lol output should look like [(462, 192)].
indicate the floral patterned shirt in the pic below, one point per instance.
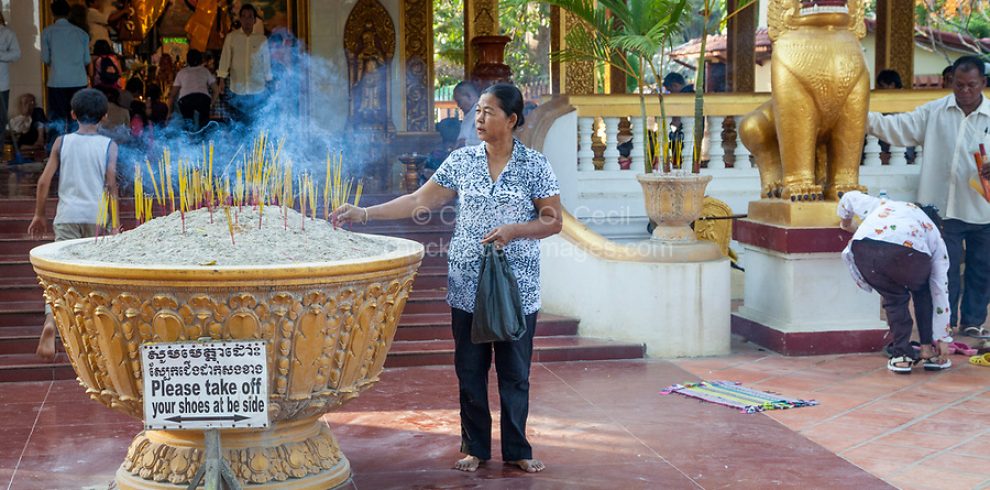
[(905, 224), (484, 205)]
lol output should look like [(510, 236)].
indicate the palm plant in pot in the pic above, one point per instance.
[(628, 35)]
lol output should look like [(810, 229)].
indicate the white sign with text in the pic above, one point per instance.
[(205, 385)]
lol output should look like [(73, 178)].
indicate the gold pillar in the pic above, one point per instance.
[(895, 38), (741, 48), (575, 78), (480, 19), (417, 57)]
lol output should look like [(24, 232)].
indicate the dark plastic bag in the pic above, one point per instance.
[(498, 310)]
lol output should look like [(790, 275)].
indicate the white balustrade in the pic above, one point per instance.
[(871, 151), (741, 153), (611, 144), (716, 154), (638, 142), (586, 156), (687, 127), (897, 158), (917, 155)]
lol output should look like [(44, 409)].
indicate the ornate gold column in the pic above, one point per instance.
[(568, 78), (895, 38), (741, 48), (480, 19), (417, 58)]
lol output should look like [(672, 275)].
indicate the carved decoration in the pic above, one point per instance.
[(579, 76), (820, 95), (369, 43), (328, 339), (418, 15)]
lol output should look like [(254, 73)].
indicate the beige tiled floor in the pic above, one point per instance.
[(919, 431)]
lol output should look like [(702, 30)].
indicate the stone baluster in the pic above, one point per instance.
[(586, 156), (871, 151), (611, 144), (741, 153), (639, 146), (897, 158), (687, 127), (716, 154)]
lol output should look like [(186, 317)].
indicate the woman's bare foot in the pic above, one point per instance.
[(468, 463), (46, 345), (529, 465)]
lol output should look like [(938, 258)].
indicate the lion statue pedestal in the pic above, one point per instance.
[(807, 141)]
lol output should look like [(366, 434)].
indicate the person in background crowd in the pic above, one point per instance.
[(191, 90), (157, 109), (28, 126), (104, 68), (951, 129), (10, 52), (466, 97), (100, 15), (77, 17), (245, 60), (889, 80), (117, 116), (133, 90), (65, 49), (676, 84)]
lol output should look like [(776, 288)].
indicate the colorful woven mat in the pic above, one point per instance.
[(732, 394)]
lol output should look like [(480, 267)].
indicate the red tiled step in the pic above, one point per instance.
[(21, 340), (429, 277), (427, 301), (545, 349), (15, 266), (20, 246), (13, 314), (28, 367), (19, 289), (436, 326)]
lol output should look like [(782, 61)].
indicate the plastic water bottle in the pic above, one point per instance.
[(883, 194)]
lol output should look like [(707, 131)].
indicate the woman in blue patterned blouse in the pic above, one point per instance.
[(508, 196)]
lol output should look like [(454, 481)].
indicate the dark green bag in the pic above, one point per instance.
[(498, 310)]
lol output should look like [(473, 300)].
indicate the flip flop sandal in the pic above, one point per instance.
[(894, 364), (976, 332), (981, 360), (933, 364), (962, 349)]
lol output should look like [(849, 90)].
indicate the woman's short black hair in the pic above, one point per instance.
[(89, 106), (510, 100), (155, 92), (194, 57), (102, 48)]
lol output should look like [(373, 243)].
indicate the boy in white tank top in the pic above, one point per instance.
[(88, 161)]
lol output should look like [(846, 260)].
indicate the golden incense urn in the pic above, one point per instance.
[(807, 140), (328, 327)]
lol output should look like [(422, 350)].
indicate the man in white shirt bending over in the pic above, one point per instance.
[(466, 96), (951, 129), (246, 61)]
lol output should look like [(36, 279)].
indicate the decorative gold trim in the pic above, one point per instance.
[(814, 214)]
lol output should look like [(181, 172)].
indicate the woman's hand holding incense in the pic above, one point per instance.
[(348, 213)]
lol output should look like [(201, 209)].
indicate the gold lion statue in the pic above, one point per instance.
[(807, 140)]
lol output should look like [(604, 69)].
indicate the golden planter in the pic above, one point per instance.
[(328, 325)]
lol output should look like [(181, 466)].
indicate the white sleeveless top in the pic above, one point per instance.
[(82, 177)]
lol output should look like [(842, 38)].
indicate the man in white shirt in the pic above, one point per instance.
[(10, 52), (246, 61), (898, 251), (951, 129), (466, 96)]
